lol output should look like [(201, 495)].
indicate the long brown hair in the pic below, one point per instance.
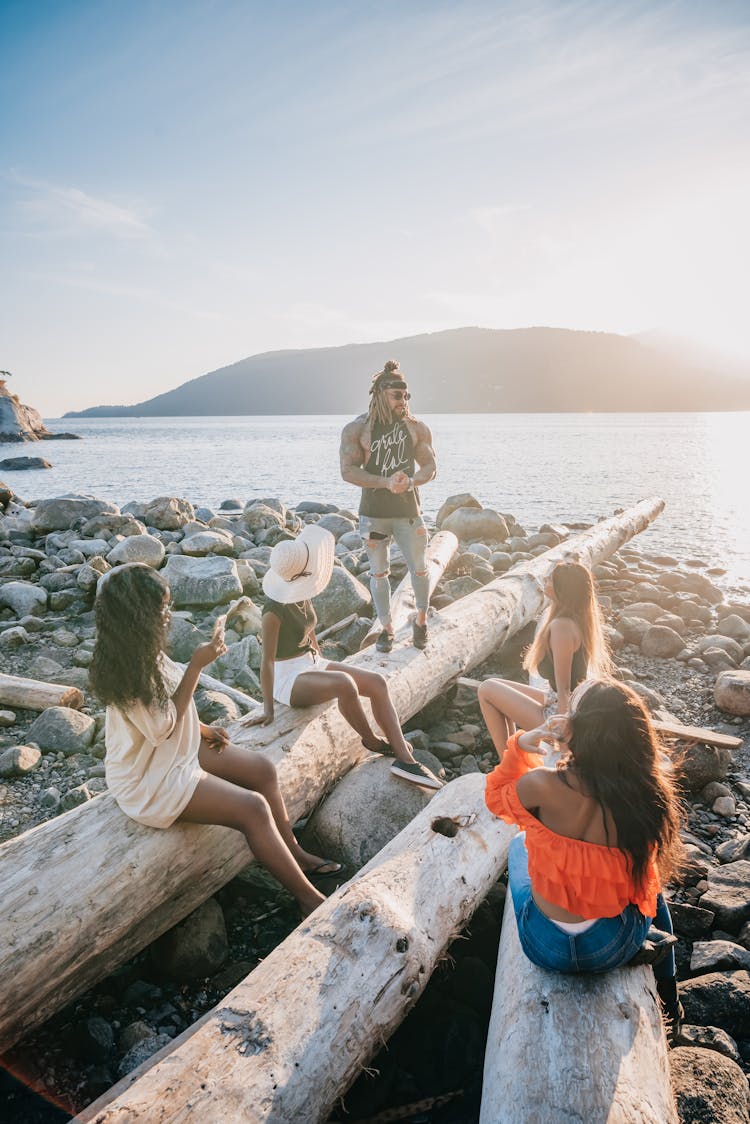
[(131, 625), (380, 410), (574, 597), (616, 755)]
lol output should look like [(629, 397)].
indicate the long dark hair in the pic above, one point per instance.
[(131, 623), (615, 754), (574, 597)]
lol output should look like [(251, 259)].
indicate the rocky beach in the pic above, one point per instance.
[(677, 636)]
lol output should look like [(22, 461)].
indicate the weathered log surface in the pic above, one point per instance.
[(562, 1048), (284, 1045), (441, 548), (31, 694), (91, 888)]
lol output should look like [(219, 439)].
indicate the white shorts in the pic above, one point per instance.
[(286, 671)]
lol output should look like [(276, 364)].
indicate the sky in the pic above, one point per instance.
[(184, 184)]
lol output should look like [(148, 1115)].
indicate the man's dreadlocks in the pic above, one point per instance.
[(380, 410)]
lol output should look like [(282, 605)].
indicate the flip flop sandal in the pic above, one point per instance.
[(320, 872), (382, 747)]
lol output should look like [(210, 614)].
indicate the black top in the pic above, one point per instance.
[(391, 450), (577, 668), (298, 622)]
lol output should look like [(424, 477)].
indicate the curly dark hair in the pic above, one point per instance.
[(615, 754), (131, 624)]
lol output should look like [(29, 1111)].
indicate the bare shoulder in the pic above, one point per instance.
[(354, 437), (420, 432), (538, 787), (563, 630)]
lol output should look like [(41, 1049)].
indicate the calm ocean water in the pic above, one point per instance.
[(538, 466)]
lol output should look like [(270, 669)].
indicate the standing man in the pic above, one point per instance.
[(380, 452)]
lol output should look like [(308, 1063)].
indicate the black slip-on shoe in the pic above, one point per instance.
[(382, 747), (419, 635), (384, 642), (415, 773)]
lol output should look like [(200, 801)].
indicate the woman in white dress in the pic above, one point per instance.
[(162, 763)]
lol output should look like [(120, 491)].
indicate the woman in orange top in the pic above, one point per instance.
[(600, 835)]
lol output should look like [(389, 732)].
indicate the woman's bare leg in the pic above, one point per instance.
[(216, 801), (253, 771), (321, 686), (505, 705), (374, 687)]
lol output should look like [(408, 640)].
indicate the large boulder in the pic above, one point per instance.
[(16, 464), (468, 524), (107, 525), (338, 525), (735, 626), (708, 1087), (366, 809), (167, 513), (725, 643), (713, 956), (204, 542), (62, 729), (732, 692), (196, 947), (700, 764), (719, 999), (203, 582), (23, 598), (343, 596), (61, 512), (728, 894), (662, 642), (464, 499), (259, 517), (138, 548)]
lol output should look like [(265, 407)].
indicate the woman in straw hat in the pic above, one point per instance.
[(162, 764), (293, 670)]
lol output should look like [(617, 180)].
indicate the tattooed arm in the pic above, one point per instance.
[(353, 456), (424, 455)]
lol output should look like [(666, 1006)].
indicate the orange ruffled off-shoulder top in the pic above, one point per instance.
[(589, 879)]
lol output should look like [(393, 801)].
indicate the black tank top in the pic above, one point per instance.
[(391, 450), (578, 668)]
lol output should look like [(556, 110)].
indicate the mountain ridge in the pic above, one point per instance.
[(458, 370)]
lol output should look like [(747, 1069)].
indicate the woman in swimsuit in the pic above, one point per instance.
[(568, 647)]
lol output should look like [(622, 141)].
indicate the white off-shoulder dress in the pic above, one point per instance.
[(151, 761)]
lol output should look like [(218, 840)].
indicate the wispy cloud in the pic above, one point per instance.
[(127, 292), (64, 209)]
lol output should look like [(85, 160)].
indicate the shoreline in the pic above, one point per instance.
[(81, 1050)]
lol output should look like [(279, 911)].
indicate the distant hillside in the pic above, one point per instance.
[(466, 370)]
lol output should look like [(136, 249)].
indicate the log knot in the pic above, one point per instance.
[(252, 1036)]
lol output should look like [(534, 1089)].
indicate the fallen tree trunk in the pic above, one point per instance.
[(31, 694), (289, 1040), (86, 906), (573, 1048), (441, 548)]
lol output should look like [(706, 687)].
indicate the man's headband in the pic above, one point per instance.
[(392, 384)]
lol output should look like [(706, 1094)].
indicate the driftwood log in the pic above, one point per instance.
[(91, 888), (573, 1048), (30, 694), (289, 1040), (441, 548)]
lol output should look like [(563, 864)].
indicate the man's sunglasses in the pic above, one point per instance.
[(400, 395)]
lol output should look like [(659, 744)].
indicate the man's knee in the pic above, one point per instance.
[(381, 574)]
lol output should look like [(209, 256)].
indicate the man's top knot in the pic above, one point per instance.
[(391, 367)]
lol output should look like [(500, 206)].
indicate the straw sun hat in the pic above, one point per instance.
[(300, 568)]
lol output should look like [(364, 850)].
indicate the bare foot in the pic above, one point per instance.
[(310, 903)]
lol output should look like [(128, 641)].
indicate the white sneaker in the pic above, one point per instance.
[(415, 773)]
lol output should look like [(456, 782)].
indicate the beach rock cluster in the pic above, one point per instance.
[(676, 639)]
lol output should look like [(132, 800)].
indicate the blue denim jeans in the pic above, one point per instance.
[(411, 535), (609, 943)]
